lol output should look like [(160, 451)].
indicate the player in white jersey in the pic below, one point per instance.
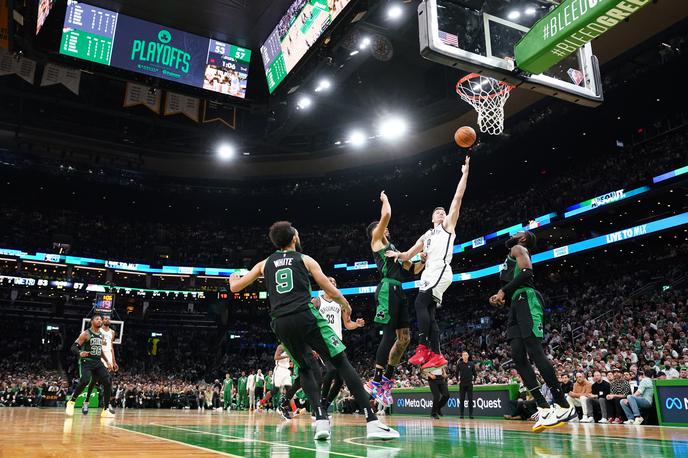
[(332, 312), (438, 245), (107, 357), (281, 379)]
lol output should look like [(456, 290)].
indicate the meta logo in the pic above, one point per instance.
[(676, 403), (400, 402)]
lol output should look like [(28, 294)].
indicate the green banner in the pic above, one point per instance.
[(566, 28)]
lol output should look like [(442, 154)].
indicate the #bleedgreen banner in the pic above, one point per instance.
[(566, 28)]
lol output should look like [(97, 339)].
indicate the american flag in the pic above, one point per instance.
[(449, 39)]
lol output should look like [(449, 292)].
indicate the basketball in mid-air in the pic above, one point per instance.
[(465, 137)]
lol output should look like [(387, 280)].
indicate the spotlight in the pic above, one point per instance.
[(304, 102), (354, 52), (514, 15), (393, 128), (323, 85), (357, 138), (394, 12), (364, 43), (530, 11), (225, 152)]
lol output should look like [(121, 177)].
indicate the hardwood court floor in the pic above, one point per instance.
[(174, 433)]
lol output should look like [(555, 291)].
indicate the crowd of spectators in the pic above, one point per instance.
[(153, 237)]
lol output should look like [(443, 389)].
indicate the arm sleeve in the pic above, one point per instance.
[(521, 278), (75, 348)]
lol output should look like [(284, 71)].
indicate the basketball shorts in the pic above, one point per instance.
[(392, 305), (303, 332), (526, 314), (282, 377), (436, 279)]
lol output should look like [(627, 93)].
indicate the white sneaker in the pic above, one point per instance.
[(603, 421), (547, 418), (629, 422), (566, 414), (587, 419), (322, 430), (639, 421), (69, 410), (378, 430), (107, 413)]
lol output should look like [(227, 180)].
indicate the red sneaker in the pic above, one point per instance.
[(421, 356), (435, 360)]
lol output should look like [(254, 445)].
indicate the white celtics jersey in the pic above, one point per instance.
[(108, 337), (332, 312), (284, 362), (439, 246)]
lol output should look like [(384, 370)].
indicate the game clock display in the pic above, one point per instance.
[(108, 38), (298, 30)]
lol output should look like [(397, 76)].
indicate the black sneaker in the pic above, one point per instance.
[(285, 411), (435, 416)]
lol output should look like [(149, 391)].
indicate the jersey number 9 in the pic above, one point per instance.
[(284, 280)]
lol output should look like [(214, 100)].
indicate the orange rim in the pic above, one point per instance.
[(505, 88)]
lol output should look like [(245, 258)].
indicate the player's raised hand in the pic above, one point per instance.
[(466, 165), (423, 257), (383, 197), (360, 322)]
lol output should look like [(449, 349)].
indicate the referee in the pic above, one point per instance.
[(466, 371)]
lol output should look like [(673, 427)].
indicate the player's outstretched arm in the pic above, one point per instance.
[(407, 255), (237, 282), (455, 208), (385, 217), (322, 281), (351, 325)]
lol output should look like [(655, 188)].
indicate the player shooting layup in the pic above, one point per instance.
[(438, 244)]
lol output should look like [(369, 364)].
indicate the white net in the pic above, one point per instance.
[(488, 96)]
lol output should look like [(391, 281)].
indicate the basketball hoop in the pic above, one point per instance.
[(488, 96)]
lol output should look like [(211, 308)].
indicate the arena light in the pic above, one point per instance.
[(393, 128), (394, 12), (514, 15), (304, 102), (226, 151), (530, 11), (357, 138), (365, 42), (323, 85)]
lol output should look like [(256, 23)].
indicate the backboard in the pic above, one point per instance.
[(479, 36)]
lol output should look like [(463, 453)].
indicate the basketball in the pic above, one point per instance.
[(465, 137)]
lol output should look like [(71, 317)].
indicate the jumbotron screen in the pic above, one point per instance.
[(298, 30), (44, 8), (109, 38)]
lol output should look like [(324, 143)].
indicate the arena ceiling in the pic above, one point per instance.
[(277, 138)]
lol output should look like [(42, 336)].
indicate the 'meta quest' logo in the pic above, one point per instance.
[(161, 53)]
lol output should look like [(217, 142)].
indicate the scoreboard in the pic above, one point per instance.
[(109, 38)]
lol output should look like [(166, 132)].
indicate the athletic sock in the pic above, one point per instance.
[(559, 398), (370, 415), (378, 374), (389, 373), (539, 398)]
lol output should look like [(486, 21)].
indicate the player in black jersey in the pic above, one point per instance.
[(300, 327), (525, 330), (392, 307), (88, 347)]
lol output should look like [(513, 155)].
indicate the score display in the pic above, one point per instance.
[(109, 38), (298, 30)]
